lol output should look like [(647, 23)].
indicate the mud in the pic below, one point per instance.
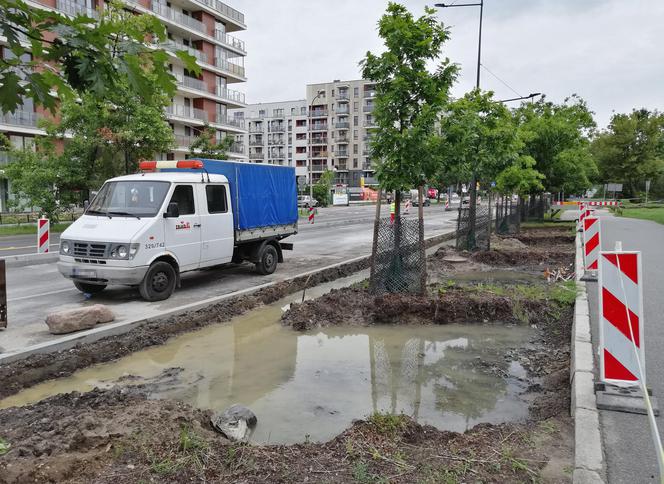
[(116, 437)]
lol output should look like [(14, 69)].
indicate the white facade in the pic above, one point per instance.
[(277, 133)]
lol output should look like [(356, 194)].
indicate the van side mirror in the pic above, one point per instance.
[(173, 211)]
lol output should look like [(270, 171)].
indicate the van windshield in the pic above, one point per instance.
[(139, 198)]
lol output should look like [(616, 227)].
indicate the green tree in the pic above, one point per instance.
[(88, 55), (323, 187), (556, 136), (631, 150), (206, 145), (478, 139), (42, 179), (408, 100), (520, 178)]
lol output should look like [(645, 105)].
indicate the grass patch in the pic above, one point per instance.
[(4, 446), (32, 229), (656, 214), (387, 423)]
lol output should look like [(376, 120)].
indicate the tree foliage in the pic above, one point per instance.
[(631, 150), (477, 137), (322, 188), (69, 56), (206, 145), (556, 136), (520, 178), (408, 96)]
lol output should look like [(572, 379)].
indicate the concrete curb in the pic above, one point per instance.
[(114, 329), (588, 456), (23, 260)]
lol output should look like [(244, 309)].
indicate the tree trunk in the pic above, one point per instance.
[(423, 255), (374, 245), (472, 214)]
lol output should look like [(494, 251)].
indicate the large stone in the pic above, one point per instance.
[(78, 319), (235, 422)]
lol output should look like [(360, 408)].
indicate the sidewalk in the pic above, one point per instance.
[(628, 447)]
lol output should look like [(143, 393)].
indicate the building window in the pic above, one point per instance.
[(300, 123), (356, 106), (303, 110), (355, 120), (261, 113), (300, 135), (332, 92), (277, 113), (355, 149), (355, 159), (356, 92), (354, 134), (300, 149)]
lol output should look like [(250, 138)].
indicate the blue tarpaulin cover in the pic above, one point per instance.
[(261, 195)]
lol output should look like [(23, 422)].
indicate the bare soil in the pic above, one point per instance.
[(120, 436)]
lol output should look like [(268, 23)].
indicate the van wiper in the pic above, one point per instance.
[(123, 214)]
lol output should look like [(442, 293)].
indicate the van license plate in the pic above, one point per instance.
[(84, 273)]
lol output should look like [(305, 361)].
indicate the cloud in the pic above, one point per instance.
[(609, 51)]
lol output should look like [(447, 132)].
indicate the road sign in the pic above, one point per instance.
[(621, 317), (42, 235), (301, 181), (614, 187)]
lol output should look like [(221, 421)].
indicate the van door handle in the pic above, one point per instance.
[(197, 225)]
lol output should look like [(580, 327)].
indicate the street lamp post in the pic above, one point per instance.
[(311, 161), (521, 98)]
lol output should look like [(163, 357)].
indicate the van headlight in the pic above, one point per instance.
[(65, 247), (124, 251)]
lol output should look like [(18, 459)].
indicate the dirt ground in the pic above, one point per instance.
[(120, 435)]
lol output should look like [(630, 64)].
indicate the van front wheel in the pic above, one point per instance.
[(267, 260), (159, 282)]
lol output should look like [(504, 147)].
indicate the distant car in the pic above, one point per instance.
[(432, 193), (426, 203), (306, 201)]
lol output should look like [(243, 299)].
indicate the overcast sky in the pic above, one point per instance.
[(610, 52)]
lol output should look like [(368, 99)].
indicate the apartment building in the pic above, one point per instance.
[(340, 129), (201, 27), (276, 133)]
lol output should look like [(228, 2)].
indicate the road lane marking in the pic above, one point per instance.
[(25, 247), (21, 298)]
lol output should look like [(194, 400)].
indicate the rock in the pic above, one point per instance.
[(234, 422), (78, 319)]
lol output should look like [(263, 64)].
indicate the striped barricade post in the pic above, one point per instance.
[(43, 226), (581, 208), (591, 247), (312, 213)]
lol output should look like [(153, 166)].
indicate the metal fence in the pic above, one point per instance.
[(478, 239), (508, 218), (534, 207), (397, 264)]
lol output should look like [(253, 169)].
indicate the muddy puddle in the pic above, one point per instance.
[(312, 385)]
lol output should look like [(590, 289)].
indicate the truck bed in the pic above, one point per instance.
[(278, 231)]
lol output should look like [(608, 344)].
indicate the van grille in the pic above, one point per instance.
[(95, 250)]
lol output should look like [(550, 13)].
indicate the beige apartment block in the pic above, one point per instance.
[(340, 128)]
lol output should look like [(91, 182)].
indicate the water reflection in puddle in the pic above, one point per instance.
[(312, 385)]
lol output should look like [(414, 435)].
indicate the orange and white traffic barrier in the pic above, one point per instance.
[(621, 318), (312, 213), (407, 207), (604, 203), (581, 208), (43, 226), (591, 243)]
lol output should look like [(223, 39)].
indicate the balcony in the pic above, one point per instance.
[(342, 154), (229, 40), (228, 121), (370, 123), (369, 92), (367, 108), (318, 127), (367, 167), (342, 125), (318, 141), (224, 9), (343, 97), (255, 142), (256, 156), (231, 95), (343, 140), (319, 154), (20, 118), (191, 83), (342, 167), (277, 128), (174, 46), (71, 8), (177, 17), (342, 110), (226, 65), (318, 167), (256, 128), (177, 110), (183, 141), (318, 113), (236, 148), (279, 141)]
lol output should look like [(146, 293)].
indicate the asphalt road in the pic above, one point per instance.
[(338, 234), (628, 446)]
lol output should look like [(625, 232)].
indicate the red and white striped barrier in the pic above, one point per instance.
[(600, 203), (43, 226), (621, 318), (591, 243), (311, 214), (407, 207), (447, 204)]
